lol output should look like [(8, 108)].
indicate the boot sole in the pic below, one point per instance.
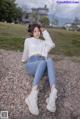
[(28, 104), (47, 99), (51, 110)]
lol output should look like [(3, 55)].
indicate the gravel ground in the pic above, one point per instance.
[(15, 85)]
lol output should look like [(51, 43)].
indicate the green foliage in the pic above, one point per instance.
[(9, 11), (45, 21)]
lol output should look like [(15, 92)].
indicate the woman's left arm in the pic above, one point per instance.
[(25, 52)]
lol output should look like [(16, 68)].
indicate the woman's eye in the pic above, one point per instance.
[(36, 31)]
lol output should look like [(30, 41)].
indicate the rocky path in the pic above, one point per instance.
[(15, 85)]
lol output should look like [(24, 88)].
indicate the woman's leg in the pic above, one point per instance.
[(36, 69), (51, 106), (39, 72), (31, 67), (51, 72)]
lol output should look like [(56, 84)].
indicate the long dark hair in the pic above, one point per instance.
[(31, 28)]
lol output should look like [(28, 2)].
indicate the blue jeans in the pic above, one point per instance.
[(38, 67)]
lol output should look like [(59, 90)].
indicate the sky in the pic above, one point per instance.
[(66, 10)]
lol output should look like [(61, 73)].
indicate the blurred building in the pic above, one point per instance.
[(35, 14)]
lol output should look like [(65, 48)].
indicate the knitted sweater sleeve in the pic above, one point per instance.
[(25, 51), (48, 40)]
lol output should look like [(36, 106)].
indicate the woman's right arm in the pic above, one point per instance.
[(49, 44), (47, 38), (25, 51)]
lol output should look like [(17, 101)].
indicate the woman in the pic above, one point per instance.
[(38, 64)]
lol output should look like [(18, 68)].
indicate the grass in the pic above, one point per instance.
[(67, 42), (12, 37)]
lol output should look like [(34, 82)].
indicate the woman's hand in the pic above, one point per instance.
[(24, 62), (42, 29)]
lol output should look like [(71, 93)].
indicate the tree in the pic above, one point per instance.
[(9, 10), (75, 24), (76, 21), (45, 21), (54, 20), (34, 17)]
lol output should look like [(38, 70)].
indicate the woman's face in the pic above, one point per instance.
[(36, 32)]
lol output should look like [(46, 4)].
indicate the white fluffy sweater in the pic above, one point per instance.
[(33, 46)]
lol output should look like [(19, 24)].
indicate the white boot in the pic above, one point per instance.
[(51, 106), (31, 101)]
